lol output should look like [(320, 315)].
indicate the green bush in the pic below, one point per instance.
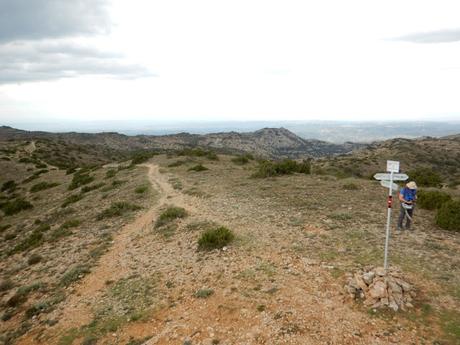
[(9, 186), (284, 167), (15, 206), (71, 199), (240, 160), (448, 216), (141, 157), (169, 215), (34, 259), (117, 209), (71, 223), (79, 179), (141, 189), (425, 177), (431, 199), (204, 293), (215, 238), (176, 164), (42, 186), (198, 167), (34, 240), (110, 173)]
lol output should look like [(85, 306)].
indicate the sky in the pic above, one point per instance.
[(182, 60)]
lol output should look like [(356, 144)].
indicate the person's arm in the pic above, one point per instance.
[(401, 197)]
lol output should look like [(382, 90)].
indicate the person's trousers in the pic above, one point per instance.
[(402, 215)]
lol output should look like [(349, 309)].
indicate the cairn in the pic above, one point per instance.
[(380, 289)]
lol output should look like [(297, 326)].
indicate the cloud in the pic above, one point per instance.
[(438, 36), (51, 60), (39, 19), (38, 41)]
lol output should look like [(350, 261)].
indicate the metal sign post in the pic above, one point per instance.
[(387, 181)]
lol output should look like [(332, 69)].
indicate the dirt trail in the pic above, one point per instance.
[(30, 148)]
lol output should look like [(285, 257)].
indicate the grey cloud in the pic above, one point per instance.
[(40, 61), (438, 36), (41, 19)]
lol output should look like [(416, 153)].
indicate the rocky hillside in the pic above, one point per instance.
[(267, 142), (441, 155)]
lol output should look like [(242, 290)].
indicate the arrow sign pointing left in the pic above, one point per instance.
[(396, 177)]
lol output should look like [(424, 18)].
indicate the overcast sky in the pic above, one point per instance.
[(229, 60)]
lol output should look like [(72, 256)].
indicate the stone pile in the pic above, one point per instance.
[(380, 289)]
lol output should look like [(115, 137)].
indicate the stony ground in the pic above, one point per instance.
[(280, 282)]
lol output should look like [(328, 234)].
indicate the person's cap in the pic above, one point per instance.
[(411, 185)]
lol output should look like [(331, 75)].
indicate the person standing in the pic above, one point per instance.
[(407, 198)]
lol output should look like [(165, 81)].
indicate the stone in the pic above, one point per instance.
[(368, 277), (378, 290), (360, 282), (380, 271)]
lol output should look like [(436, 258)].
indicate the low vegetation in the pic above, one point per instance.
[(215, 238), (243, 159), (142, 157), (198, 167), (198, 152), (169, 215), (117, 209), (432, 199), (42, 186), (74, 274), (9, 186), (15, 206), (448, 216), (71, 199), (425, 177), (284, 167), (79, 179)]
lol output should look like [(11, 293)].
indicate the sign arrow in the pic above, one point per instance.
[(386, 183), (386, 176)]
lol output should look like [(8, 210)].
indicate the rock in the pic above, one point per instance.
[(368, 277), (378, 290), (360, 282), (380, 271)]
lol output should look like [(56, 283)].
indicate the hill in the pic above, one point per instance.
[(272, 143)]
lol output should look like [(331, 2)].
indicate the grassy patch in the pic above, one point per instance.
[(142, 189), (176, 164), (110, 173), (350, 186), (450, 323), (215, 238), (243, 159), (340, 216), (42, 186), (92, 187), (34, 240), (117, 209)]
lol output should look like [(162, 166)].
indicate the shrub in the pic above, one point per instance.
[(198, 167), (72, 199), (9, 186), (80, 179), (74, 274), (38, 308), (35, 175), (117, 209), (169, 215), (215, 238), (176, 164), (42, 186), (350, 186), (110, 173), (425, 177), (6, 285), (70, 171), (87, 189), (15, 206), (4, 227), (34, 259), (284, 167), (141, 157), (432, 199), (240, 160), (204, 293), (71, 223), (448, 216), (141, 189)]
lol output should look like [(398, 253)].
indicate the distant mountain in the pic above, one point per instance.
[(267, 142)]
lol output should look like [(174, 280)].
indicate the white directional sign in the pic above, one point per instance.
[(393, 166), (387, 184), (396, 177)]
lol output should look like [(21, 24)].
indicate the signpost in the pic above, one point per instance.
[(387, 181)]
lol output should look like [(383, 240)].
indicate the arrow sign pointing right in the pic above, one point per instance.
[(386, 176)]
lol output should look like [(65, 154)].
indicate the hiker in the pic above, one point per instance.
[(407, 198)]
